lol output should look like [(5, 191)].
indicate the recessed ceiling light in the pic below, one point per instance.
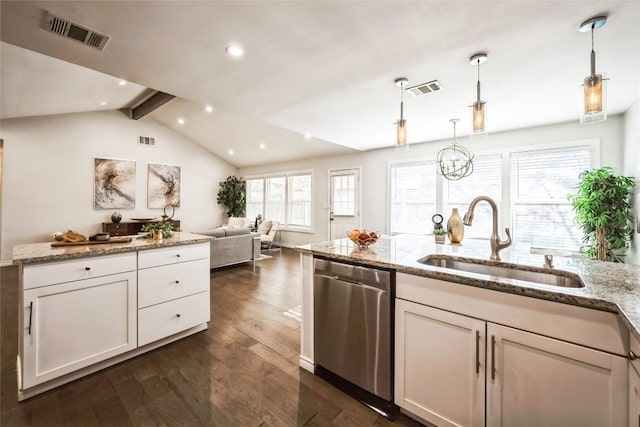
[(262, 145), (122, 82), (235, 50), (231, 152), (103, 103), (307, 135), (180, 121), (208, 109)]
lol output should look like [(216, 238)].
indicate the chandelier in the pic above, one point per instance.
[(455, 162)]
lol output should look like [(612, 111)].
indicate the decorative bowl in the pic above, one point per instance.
[(363, 238)]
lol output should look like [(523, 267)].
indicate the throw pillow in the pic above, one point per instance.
[(236, 222), (264, 227)]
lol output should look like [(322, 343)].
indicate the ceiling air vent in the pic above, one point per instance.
[(73, 31), (147, 141), (425, 88)]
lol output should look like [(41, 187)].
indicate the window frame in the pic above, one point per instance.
[(285, 226)]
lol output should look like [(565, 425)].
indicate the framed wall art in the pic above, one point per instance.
[(114, 184), (163, 186)]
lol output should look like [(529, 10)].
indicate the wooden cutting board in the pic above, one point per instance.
[(92, 242)]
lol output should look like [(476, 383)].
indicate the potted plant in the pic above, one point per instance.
[(232, 195), (602, 205), (158, 230), (439, 234)]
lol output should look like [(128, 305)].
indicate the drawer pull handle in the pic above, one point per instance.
[(87, 268), (493, 357), (477, 352), (30, 315), (178, 315), (632, 355), (178, 255), (177, 282)]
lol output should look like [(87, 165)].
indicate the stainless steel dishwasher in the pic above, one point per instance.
[(353, 331)]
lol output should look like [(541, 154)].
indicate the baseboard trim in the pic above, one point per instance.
[(307, 364)]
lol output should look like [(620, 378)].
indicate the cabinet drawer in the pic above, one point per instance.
[(163, 320), (116, 229), (169, 282), (172, 255), (78, 269)]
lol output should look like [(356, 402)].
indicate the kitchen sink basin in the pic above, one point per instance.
[(546, 276)]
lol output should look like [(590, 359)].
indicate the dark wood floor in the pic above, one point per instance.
[(242, 371)]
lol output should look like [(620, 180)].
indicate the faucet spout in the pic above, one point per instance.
[(496, 244)]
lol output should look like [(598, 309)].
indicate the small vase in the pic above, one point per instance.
[(439, 239), (156, 235), (455, 227)]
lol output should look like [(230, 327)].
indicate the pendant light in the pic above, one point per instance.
[(401, 124), (478, 109), (594, 109), (455, 162)]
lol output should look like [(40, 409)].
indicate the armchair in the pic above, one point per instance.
[(269, 234)]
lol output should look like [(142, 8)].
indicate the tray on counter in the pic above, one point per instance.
[(92, 242)]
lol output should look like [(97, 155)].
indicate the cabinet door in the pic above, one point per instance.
[(439, 365), (72, 325), (538, 381), (634, 398)]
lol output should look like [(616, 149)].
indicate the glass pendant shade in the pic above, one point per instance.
[(401, 140), (478, 118), (594, 109)]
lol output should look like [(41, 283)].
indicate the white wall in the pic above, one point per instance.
[(632, 168), (48, 174), (374, 167)]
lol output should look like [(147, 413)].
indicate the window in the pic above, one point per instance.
[(540, 181), (412, 197), (530, 187), (487, 181), (286, 198), (344, 194)]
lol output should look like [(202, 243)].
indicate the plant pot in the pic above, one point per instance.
[(156, 235), (439, 238)]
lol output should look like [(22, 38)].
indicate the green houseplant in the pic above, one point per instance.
[(232, 195), (165, 228), (602, 205), (439, 234)]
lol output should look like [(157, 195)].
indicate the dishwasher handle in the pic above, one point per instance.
[(373, 277), (337, 279)]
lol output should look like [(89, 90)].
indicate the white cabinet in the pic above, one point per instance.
[(75, 323), (440, 365), (173, 291), (539, 381), (445, 359)]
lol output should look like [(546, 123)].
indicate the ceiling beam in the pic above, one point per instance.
[(157, 100)]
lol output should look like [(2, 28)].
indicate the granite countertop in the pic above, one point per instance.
[(608, 286), (43, 252)]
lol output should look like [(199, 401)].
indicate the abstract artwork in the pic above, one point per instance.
[(163, 186), (114, 184)]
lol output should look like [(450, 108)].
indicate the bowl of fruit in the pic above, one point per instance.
[(363, 238)]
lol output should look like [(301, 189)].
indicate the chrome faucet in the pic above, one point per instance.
[(496, 244)]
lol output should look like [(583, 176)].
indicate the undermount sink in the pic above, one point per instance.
[(546, 276)]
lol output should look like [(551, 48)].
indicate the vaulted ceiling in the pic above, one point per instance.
[(323, 68)]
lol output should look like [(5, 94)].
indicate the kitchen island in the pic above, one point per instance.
[(83, 308), (474, 349)]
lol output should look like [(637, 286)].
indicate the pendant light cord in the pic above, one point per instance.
[(478, 85), (593, 52), (401, 104)]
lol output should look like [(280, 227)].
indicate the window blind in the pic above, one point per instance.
[(413, 197)]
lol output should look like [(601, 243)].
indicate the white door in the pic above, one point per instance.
[(344, 202), (73, 325), (538, 381), (439, 365)]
